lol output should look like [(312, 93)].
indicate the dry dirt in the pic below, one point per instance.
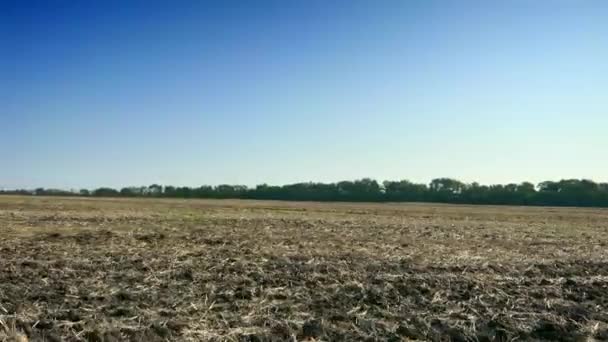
[(189, 270)]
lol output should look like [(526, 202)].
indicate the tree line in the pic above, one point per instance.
[(567, 192)]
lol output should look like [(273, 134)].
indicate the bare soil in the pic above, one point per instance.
[(190, 270)]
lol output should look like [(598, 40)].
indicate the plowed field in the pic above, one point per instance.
[(74, 269)]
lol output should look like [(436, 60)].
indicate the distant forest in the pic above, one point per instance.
[(567, 192)]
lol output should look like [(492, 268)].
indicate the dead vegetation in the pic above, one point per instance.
[(156, 270)]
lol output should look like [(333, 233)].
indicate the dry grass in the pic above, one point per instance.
[(148, 270)]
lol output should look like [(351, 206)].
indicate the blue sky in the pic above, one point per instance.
[(188, 93)]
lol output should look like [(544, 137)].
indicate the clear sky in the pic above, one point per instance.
[(115, 93)]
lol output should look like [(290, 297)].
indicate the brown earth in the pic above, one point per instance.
[(188, 270)]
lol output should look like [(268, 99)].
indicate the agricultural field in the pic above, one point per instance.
[(83, 269)]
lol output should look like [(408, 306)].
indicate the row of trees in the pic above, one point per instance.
[(568, 192)]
